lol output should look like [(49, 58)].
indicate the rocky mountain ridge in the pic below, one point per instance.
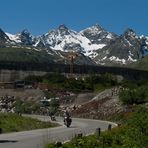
[(95, 43)]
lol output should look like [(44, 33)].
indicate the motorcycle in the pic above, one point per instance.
[(52, 118), (67, 121)]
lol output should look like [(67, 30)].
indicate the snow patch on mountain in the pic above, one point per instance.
[(146, 40), (116, 59), (110, 36), (14, 38), (122, 61), (128, 42), (131, 59)]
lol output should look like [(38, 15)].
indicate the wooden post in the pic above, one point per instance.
[(58, 144), (109, 127), (80, 135), (0, 130), (119, 124), (98, 132)]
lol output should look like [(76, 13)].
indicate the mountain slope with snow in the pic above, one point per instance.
[(94, 42), (67, 40), (124, 50)]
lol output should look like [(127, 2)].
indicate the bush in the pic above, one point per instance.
[(134, 96), (26, 106)]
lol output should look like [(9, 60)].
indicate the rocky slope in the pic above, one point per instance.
[(97, 106)]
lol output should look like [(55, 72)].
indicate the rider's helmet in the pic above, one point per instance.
[(66, 114)]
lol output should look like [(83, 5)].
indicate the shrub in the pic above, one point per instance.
[(134, 96)]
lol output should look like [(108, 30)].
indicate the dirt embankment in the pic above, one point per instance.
[(99, 106)]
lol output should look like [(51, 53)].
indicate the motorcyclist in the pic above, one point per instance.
[(67, 118), (66, 115), (51, 114)]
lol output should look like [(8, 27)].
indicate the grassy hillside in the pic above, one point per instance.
[(142, 64), (13, 123), (24, 55)]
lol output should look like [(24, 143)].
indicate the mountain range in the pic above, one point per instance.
[(93, 45)]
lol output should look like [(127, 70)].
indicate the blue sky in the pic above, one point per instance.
[(39, 16)]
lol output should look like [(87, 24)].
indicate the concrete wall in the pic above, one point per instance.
[(13, 75)]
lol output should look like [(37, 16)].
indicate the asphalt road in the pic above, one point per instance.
[(38, 138)]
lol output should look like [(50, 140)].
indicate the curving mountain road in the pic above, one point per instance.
[(38, 138)]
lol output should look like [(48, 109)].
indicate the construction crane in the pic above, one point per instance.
[(71, 57)]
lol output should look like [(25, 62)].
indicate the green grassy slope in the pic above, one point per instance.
[(13, 123), (24, 55), (142, 64)]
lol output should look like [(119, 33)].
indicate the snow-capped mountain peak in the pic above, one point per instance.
[(13, 38), (97, 43), (95, 29), (98, 35), (62, 27), (25, 32), (24, 37), (129, 32), (64, 39), (3, 37), (63, 30)]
